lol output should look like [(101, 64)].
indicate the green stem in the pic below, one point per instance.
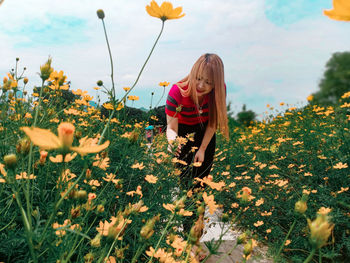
[(110, 57), (137, 79), (160, 97), (285, 239), (226, 254), (160, 239), (310, 256), (115, 240), (138, 253), (218, 243), (58, 204)]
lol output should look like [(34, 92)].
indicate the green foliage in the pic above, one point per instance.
[(246, 117), (335, 81)]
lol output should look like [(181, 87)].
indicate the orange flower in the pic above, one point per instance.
[(209, 200), (258, 223), (101, 163), (208, 180), (138, 192), (165, 11), (340, 11), (164, 84), (340, 165), (59, 158), (139, 166), (46, 140), (151, 179)]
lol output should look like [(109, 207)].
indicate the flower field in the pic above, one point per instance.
[(80, 183)]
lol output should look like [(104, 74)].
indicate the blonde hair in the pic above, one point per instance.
[(217, 97)]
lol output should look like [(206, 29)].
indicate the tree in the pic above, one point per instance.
[(246, 117), (335, 81)]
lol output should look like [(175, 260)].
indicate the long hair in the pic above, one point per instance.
[(212, 63)]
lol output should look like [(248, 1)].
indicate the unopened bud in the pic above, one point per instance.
[(300, 207), (248, 248), (96, 242), (100, 208), (81, 194), (99, 83), (10, 160), (23, 146), (100, 14), (25, 80)]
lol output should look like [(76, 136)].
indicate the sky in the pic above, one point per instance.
[(273, 50)]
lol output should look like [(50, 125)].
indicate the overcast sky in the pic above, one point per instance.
[(273, 50)]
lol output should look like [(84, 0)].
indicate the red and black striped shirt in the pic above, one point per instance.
[(188, 112)]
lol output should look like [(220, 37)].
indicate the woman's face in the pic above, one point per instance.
[(204, 83)]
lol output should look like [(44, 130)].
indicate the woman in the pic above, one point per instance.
[(197, 104)]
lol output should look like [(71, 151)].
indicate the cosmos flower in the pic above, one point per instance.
[(340, 11), (165, 11), (47, 140)]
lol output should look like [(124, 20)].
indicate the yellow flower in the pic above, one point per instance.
[(310, 98), (340, 165), (165, 11), (210, 202), (320, 230), (151, 179), (108, 106), (126, 89), (164, 84), (46, 140), (340, 11)]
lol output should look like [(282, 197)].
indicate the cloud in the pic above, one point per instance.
[(271, 53)]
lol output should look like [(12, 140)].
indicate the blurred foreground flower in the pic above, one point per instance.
[(46, 140), (340, 11), (165, 11), (320, 230)]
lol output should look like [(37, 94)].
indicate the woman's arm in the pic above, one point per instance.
[(171, 130), (208, 135), (209, 132)]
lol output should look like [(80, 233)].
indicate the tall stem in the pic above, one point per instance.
[(110, 57), (312, 253), (285, 239), (160, 239), (160, 97), (137, 79)]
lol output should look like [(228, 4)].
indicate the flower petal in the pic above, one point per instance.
[(43, 138), (90, 148)]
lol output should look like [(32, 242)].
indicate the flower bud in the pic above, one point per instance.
[(96, 242), (147, 230), (43, 155), (100, 14), (100, 208), (99, 83), (23, 146), (300, 207), (25, 80), (88, 258), (46, 70), (75, 211), (242, 238), (201, 209), (224, 218), (10, 160), (248, 248), (320, 230), (66, 133), (81, 194)]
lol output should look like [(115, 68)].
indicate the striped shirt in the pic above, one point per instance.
[(188, 113)]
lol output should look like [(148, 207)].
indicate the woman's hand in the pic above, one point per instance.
[(199, 157)]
